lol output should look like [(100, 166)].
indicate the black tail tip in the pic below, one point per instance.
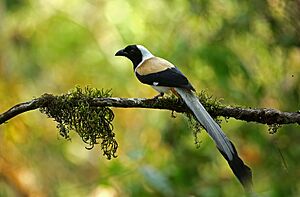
[(244, 175), (240, 170)]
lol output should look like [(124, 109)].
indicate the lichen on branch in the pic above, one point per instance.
[(93, 124)]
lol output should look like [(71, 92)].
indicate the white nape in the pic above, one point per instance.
[(145, 53)]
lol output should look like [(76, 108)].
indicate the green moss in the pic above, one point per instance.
[(210, 103), (273, 128), (73, 112), (196, 128)]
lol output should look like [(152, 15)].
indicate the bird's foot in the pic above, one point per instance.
[(159, 95)]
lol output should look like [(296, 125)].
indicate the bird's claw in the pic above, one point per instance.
[(159, 95)]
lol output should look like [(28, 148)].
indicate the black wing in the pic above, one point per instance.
[(171, 77)]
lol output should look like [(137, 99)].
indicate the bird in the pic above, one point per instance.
[(164, 76)]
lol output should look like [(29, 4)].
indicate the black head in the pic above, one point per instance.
[(133, 53)]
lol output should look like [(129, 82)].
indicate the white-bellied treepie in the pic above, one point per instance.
[(164, 76)]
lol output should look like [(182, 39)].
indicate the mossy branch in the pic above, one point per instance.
[(87, 111), (259, 115)]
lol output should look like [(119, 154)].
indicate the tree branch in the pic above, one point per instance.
[(264, 116)]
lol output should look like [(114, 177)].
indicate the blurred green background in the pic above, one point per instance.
[(246, 52)]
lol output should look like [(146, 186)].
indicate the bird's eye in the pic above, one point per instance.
[(130, 50)]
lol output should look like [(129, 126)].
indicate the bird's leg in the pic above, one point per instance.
[(175, 93), (159, 95)]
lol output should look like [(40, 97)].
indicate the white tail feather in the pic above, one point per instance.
[(212, 128)]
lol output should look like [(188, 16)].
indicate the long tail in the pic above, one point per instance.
[(224, 145)]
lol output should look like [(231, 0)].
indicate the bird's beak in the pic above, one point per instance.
[(121, 52)]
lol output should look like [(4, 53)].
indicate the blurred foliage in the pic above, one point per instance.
[(246, 52)]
